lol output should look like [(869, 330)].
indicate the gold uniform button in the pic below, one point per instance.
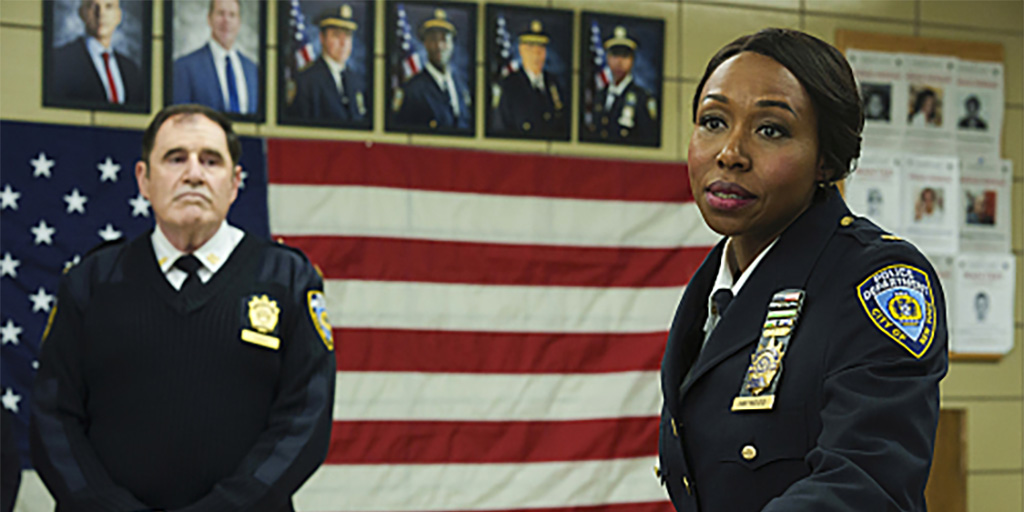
[(624, 133), (686, 483), (604, 121), (846, 221), (547, 116), (433, 123), (657, 472), (674, 431), (748, 452), (526, 126)]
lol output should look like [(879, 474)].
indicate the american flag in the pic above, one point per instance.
[(500, 321), (407, 61), (303, 49), (601, 72), (64, 191), (504, 63)]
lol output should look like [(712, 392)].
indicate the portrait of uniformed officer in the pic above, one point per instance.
[(437, 98), (626, 112), (529, 102), (94, 65), (327, 89)]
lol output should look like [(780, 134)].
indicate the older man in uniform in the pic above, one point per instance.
[(218, 75), (89, 69), (626, 112), (327, 89), (529, 102), (191, 368), (434, 98)]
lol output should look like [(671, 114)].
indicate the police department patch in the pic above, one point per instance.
[(898, 299), (318, 311)]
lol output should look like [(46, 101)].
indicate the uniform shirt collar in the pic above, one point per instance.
[(335, 69), (95, 47), (443, 79), (726, 281), (621, 87), (219, 52), (537, 81), (213, 254)]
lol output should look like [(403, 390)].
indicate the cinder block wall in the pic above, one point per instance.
[(992, 393)]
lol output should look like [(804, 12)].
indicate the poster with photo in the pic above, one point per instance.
[(215, 54), (325, 66), (930, 189), (928, 108), (884, 92), (873, 190), (76, 34), (978, 104), (984, 303), (986, 194)]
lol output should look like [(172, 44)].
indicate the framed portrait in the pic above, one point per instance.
[(528, 63), (621, 63), (214, 55), (325, 63), (431, 55), (96, 55)]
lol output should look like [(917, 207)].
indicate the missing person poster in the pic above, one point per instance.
[(874, 189), (985, 193), (928, 109), (930, 204), (978, 107), (884, 92), (983, 303)]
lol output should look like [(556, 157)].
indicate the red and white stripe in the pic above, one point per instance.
[(304, 55), (411, 65), (499, 322)]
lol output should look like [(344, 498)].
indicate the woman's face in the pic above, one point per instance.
[(753, 156)]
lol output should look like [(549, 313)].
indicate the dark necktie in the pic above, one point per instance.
[(341, 88), (190, 265), (721, 299), (229, 70)]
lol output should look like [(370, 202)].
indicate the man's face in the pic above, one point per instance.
[(533, 57), (101, 17), (337, 43), (190, 180), (225, 20), (439, 45), (621, 64)]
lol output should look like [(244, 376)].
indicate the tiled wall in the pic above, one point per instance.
[(992, 393)]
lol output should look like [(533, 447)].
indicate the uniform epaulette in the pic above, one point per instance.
[(864, 231)]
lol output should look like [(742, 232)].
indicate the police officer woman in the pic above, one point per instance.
[(803, 365)]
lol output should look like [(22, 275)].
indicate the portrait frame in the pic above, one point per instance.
[(187, 33), (296, 55), (648, 73), (552, 116), (132, 40), (405, 53)]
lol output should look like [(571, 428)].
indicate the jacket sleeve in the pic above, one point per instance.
[(880, 405), (298, 430), (61, 452)]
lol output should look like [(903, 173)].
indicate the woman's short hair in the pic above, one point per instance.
[(826, 76)]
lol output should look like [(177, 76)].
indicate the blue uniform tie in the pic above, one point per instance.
[(232, 87), (190, 265), (721, 300)]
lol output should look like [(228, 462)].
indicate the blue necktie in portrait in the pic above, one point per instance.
[(232, 86)]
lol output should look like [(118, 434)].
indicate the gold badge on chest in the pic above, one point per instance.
[(262, 314), (762, 378)]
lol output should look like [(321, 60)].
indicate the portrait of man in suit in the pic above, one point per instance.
[(529, 94), (438, 97), (218, 74), (329, 90), (90, 71)]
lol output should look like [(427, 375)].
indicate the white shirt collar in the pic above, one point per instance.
[(621, 87), (95, 47), (443, 79), (219, 52), (213, 254), (725, 281), (535, 80), (335, 68)]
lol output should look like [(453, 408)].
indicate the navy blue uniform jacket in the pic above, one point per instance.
[(853, 425), (631, 120), (317, 96), (195, 81), (75, 77), (425, 105), (524, 111)]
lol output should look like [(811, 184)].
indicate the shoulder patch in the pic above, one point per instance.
[(317, 305), (898, 299)]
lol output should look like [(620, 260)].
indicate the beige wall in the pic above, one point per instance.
[(993, 393)]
